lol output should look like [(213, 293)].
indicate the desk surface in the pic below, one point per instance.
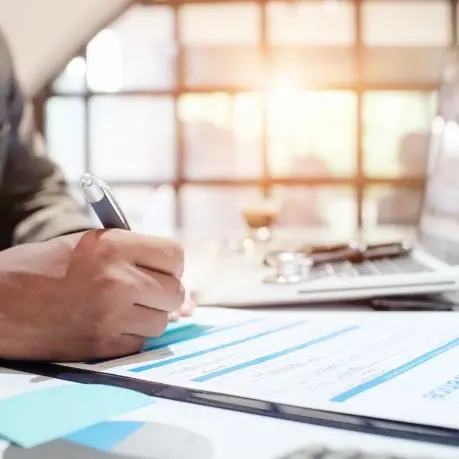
[(217, 270), (172, 430)]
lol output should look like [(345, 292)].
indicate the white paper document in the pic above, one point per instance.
[(401, 366), (169, 429)]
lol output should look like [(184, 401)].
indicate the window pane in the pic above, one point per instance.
[(136, 52), (223, 211), (235, 24), (218, 66), (406, 40), (332, 208), (385, 206), (73, 78), (77, 194), (65, 134), (402, 65), (311, 133), (132, 138), (221, 44), (413, 23), (315, 66), (310, 23), (222, 135), (396, 127), (147, 209)]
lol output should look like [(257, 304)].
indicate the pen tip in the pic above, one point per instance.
[(87, 180)]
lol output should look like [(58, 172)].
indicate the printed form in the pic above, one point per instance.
[(400, 366)]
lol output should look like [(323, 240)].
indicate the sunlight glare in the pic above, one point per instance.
[(105, 63), (282, 101)]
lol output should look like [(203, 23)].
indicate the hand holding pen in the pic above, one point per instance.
[(110, 214), (155, 264), (93, 294)]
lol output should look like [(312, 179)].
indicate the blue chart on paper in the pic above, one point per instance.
[(175, 332), (122, 440)]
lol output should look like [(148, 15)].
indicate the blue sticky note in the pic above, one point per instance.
[(44, 415)]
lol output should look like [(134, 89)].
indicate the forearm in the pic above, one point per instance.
[(34, 195), (47, 209)]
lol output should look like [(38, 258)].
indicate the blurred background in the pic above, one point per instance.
[(191, 109)]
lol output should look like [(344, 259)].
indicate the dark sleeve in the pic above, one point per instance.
[(35, 197)]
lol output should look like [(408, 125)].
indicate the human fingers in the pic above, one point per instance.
[(154, 254), (112, 346), (145, 322), (159, 291)]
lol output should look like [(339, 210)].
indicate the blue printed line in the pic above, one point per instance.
[(183, 334), (343, 397), (274, 355), (180, 358), (189, 334)]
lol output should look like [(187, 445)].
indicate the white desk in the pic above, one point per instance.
[(217, 271)]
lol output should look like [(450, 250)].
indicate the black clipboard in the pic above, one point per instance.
[(336, 420)]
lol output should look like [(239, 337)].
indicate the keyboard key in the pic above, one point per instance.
[(367, 268), (384, 266), (410, 265)]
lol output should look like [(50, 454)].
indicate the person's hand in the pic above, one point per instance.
[(87, 296), (186, 310)]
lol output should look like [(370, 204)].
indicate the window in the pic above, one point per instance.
[(132, 138), (308, 23), (406, 23), (396, 126), (137, 52), (148, 209), (65, 133), (191, 110), (216, 213), (390, 206), (222, 135), (405, 41), (221, 44), (298, 127), (330, 208)]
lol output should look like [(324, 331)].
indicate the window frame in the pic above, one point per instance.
[(360, 182)]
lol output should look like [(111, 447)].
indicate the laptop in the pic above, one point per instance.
[(431, 265)]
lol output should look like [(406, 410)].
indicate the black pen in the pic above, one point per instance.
[(104, 204)]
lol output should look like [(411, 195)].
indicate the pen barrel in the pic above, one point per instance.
[(107, 214)]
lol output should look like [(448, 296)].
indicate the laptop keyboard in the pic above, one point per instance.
[(319, 452), (384, 266)]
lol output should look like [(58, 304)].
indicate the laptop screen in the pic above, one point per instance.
[(438, 231)]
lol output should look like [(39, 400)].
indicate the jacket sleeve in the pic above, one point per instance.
[(36, 202)]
